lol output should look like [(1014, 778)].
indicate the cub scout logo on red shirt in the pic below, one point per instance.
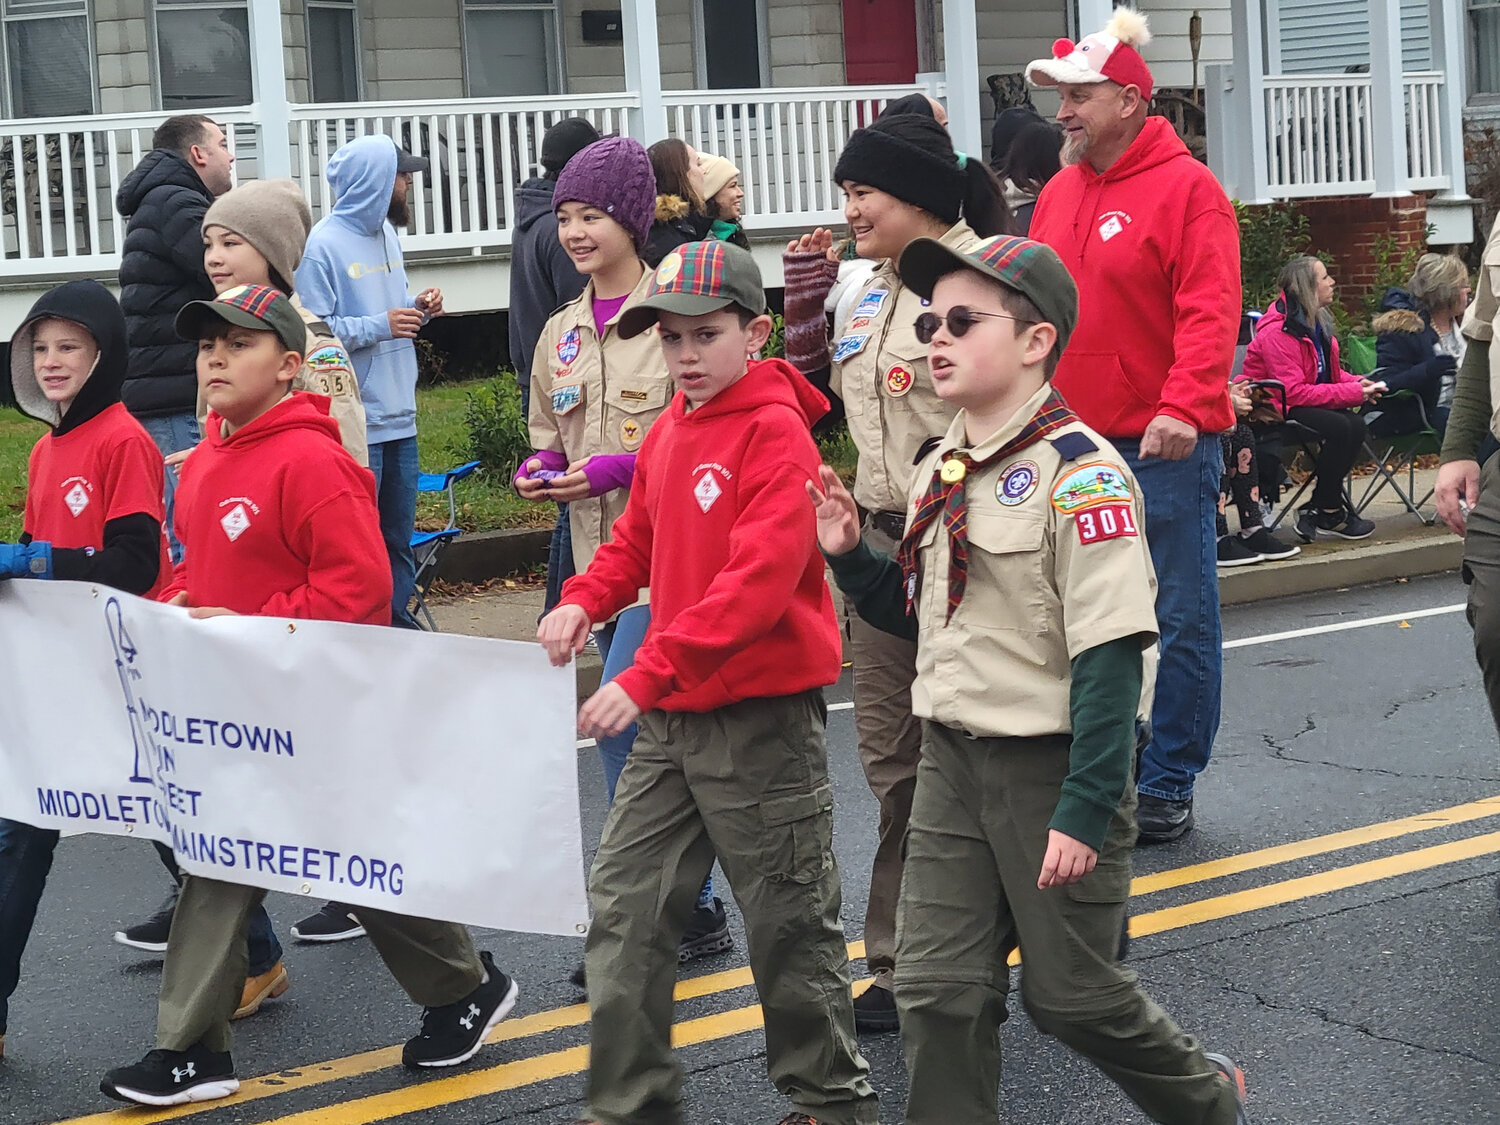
[(567, 347), (1112, 223), (898, 380), (236, 521), (707, 490), (1090, 486), (1109, 521), (77, 494)]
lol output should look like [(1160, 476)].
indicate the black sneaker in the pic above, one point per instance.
[(1236, 1078), (150, 936), (1346, 524), (579, 977), (454, 1033), (1269, 547), (1235, 551), (1307, 525), (707, 933), (875, 1011), (173, 1078), (333, 923), (1160, 821)]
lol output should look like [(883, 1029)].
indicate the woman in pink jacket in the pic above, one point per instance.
[(1294, 343)]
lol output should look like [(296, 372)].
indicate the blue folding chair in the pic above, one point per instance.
[(427, 547)]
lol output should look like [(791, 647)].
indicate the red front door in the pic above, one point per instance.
[(880, 41)]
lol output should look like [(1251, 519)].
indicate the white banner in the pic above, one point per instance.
[(427, 774)]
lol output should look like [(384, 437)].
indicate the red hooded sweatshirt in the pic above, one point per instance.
[(277, 520), (1155, 248), (720, 528)]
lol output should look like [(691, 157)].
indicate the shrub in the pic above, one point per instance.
[(1270, 236), (498, 436), (776, 346)]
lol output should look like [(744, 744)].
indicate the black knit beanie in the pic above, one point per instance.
[(563, 141), (909, 156)]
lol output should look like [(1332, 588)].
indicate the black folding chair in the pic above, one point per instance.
[(1395, 455)]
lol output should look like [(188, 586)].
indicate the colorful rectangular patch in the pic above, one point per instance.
[(1108, 521), (850, 346), (1089, 486), (870, 304), (327, 358), (566, 397)]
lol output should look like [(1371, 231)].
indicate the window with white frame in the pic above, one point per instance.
[(49, 64), (511, 48), (1484, 45), (333, 50), (203, 54)]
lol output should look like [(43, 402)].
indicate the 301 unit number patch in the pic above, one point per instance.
[(1109, 521)]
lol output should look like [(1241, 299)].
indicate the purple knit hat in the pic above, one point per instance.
[(615, 176)]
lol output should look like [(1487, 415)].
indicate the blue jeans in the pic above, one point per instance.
[(559, 559), (1182, 500), (618, 642), (394, 464), (173, 433)]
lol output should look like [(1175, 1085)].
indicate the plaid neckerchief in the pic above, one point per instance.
[(945, 496)]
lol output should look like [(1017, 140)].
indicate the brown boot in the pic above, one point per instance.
[(269, 985)]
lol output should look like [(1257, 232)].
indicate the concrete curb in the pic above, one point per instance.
[(1316, 570)]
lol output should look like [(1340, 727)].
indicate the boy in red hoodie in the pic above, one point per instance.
[(727, 690), (278, 520)]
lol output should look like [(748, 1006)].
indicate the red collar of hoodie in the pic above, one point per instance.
[(278, 520), (720, 528), (1153, 244)]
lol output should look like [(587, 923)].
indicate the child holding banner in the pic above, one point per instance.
[(312, 549), (93, 514), (727, 689)]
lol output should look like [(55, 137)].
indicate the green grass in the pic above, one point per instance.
[(484, 504)]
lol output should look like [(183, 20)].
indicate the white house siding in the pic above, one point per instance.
[(411, 50), (124, 59), (807, 42), (1326, 36)]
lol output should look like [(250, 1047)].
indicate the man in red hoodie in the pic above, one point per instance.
[(1152, 241), (278, 520), (730, 757)]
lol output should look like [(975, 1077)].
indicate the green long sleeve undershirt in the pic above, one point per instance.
[(1469, 417), (1104, 693)]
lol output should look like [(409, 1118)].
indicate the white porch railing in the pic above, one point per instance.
[(1320, 138), (784, 141)]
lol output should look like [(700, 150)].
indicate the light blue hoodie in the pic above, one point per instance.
[(352, 275)]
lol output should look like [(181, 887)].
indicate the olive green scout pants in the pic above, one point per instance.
[(748, 783), (1482, 572), (207, 959), (978, 835)]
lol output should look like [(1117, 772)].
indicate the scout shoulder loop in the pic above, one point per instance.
[(1072, 446), (925, 448)]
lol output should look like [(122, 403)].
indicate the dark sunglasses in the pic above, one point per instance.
[(960, 319)]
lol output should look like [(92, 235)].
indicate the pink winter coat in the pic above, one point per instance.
[(1283, 349)]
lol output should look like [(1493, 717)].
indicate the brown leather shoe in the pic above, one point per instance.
[(269, 985)]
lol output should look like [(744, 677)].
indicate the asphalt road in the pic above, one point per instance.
[(1332, 924)]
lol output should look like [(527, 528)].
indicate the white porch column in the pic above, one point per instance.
[(1248, 161), (1448, 55), (1092, 15), (268, 86), (648, 124), (961, 61), (1387, 98)]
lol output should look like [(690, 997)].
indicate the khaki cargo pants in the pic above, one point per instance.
[(978, 835), (890, 743), (1482, 573), (748, 783), (207, 959)]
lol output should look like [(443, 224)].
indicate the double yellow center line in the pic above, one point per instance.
[(572, 1060)]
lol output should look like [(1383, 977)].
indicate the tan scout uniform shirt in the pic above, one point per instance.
[(880, 371), (1057, 565), (1483, 317), (590, 396)]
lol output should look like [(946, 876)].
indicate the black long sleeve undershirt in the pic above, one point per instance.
[(130, 559)]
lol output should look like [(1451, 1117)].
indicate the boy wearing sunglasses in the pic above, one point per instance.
[(1025, 580)]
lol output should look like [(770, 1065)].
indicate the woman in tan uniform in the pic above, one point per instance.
[(902, 180)]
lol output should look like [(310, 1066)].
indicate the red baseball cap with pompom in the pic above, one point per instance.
[(1111, 55)]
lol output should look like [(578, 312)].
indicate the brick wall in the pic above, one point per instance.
[(1347, 229)]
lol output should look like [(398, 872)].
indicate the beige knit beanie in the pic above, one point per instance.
[(272, 215), (717, 172)]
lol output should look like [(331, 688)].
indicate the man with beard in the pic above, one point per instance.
[(1151, 240), (352, 277)]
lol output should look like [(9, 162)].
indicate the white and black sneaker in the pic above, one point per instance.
[(173, 1078), (150, 936), (454, 1033), (1269, 547), (333, 922), (1235, 551)]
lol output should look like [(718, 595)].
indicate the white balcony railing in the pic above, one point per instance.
[(1320, 137)]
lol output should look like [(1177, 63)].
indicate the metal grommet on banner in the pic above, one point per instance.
[(291, 626), (94, 590), (307, 888), (582, 928), (129, 829)]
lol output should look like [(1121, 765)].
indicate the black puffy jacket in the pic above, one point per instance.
[(161, 270)]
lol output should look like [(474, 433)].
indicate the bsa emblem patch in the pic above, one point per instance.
[(667, 272), (850, 346), (1017, 483), (1108, 521), (899, 380), (567, 347), (871, 303), (631, 435), (566, 397), (1090, 486)]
